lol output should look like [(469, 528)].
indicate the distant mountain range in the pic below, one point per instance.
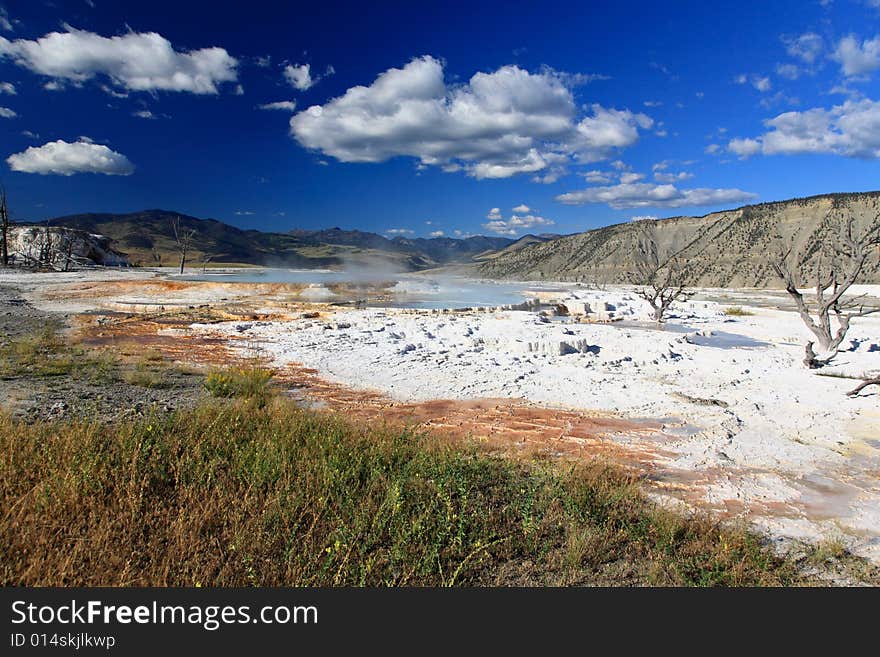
[(147, 238), (722, 249)]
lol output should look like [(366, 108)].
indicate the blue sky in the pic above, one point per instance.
[(492, 118)]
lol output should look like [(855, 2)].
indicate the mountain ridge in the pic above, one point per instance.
[(147, 237), (728, 248)]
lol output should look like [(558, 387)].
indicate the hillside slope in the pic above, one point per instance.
[(518, 245), (723, 249), (148, 238), (436, 250)]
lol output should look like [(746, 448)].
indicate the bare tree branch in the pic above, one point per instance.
[(869, 382), (661, 282), (183, 237)]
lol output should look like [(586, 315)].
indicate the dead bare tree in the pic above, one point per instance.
[(661, 285), (66, 250), (183, 237), (46, 255), (661, 281), (846, 255), (4, 229)]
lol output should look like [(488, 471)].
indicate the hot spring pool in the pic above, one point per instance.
[(387, 289)]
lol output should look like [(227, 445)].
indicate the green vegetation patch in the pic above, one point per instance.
[(46, 354), (250, 381)]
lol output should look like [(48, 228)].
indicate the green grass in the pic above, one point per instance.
[(46, 354), (827, 551), (238, 492), (249, 381)]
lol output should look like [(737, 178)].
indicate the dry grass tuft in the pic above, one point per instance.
[(248, 381)]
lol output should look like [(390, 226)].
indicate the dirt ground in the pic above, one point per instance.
[(505, 424), (80, 394)]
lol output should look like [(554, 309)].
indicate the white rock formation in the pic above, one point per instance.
[(61, 247)]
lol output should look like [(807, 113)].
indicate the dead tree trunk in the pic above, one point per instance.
[(47, 247), (183, 237), (849, 254), (4, 229), (67, 252)]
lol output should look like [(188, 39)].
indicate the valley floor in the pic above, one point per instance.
[(715, 408)]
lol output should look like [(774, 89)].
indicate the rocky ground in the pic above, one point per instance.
[(82, 393), (18, 318)]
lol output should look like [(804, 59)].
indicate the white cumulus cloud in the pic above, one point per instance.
[(648, 195), (759, 82), (7, 113), (437, 233), (522, 209), (671, 176), (516, 224), (851, 129), (807, 47), (299, 76), (606, 130), (7, 88), (284, 105), (744, 147), (788, 71), (596, 176), (495, 125), (630, 177), (135, 61), (65, 159), (5, 23), (857, 58)]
